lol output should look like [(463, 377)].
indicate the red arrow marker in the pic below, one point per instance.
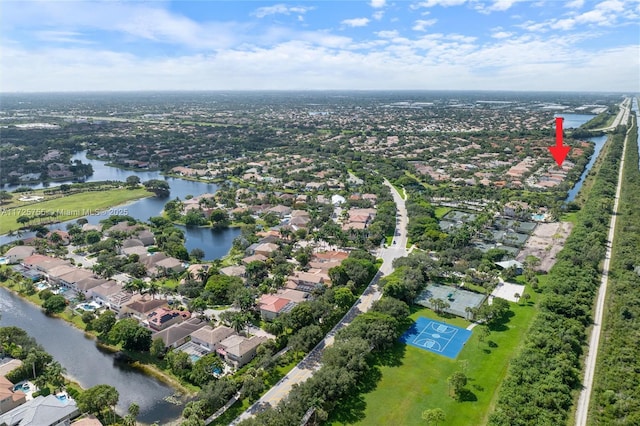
[(559, 152)]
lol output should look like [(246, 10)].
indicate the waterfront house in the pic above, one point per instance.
[(7, 365), (177, 334), (102, 292), (209, 337), (239, 350), (140, 307), (18, 253), (41, 411), (10, 399), (163, 317), (88, 283), (43, 263), (68, 276)]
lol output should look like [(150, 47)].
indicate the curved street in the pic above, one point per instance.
[(311, 363)]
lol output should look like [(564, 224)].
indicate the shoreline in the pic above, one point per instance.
[(146, 369)]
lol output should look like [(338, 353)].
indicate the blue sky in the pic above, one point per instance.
[(574, 45)]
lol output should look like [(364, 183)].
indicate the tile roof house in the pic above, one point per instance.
[(169, 264), (88, 283), (43, 263), (70, 278), (8, 365), (266, 249), (271, 306), (102, 292), (8, 398), (255, 257), (239, 350), (18, 253), (147, 237), (41, 411), (233, 271), (163, 317), (209, 337), (87, 421), (177, 334), (140, 307)]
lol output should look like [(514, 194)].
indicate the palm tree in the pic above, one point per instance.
[(238, 322), (153, 289), (203, 274)]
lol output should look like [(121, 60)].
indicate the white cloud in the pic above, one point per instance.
[(378, 15), (378, 3), (280, 9), (356, 22), (501, 34), (388, 34), (448, 61), (422, 24), (443, 3), (61, 37), (254, 55), (575, 4)]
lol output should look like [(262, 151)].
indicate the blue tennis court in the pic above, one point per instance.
[(437, 337)]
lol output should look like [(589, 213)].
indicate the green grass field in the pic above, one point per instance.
[(441, 211), (416, 379), (73, 206)]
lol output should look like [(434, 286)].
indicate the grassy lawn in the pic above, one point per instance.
[(441, 211), (73, 206), (570, 217), (424, 184), (417, 379)]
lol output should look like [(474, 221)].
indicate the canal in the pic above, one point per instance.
[(86, 363)]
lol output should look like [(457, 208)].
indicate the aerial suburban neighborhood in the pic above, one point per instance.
[(361, 213), (233, 274)]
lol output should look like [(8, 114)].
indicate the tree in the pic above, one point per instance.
[(98, 398), (180, 363), (343, 297), (23, 220), (204, 368), (458, 381), (104, 322), (133, 336), (392, 307), (306, 338), (197, 254), (434, 416), (526, 297), (483, 333), (130, 418), (132, 181), (252, 387), (157, 347), (54, 304)]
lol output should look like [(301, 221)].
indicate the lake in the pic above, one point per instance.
[(573, 121), (215, 244)]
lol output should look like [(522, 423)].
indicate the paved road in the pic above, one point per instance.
[(311, 363), (621, 118), (582, 411)]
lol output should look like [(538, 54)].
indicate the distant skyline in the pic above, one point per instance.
[(516, 45)]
